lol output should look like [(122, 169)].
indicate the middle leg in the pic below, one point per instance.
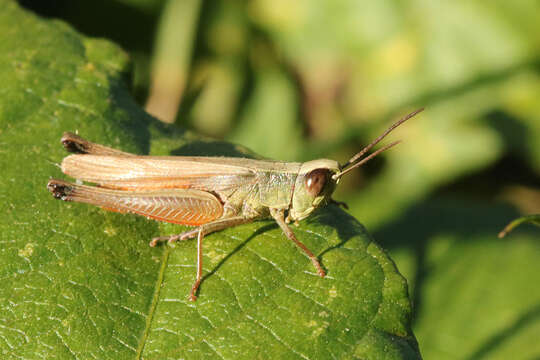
[(200, 232), (204, 230), (210, 228)]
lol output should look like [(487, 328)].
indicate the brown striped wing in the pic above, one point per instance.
[(179, 206)]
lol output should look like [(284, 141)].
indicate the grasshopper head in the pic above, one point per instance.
[(314, 186), (317, 179)]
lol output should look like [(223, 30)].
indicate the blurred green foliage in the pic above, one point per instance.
[(306, 79)]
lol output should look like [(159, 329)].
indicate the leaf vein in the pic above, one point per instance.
[(154, 303)]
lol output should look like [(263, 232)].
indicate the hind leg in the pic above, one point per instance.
[(76, 144), (200, 232)]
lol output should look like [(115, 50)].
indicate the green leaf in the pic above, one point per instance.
[(475, 295), (79, 282), (488, 290)]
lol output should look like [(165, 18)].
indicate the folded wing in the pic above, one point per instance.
[(158, 172)]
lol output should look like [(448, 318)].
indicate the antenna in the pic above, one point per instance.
[(352, 163)]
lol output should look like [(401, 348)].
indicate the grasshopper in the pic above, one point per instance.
[(210, 193)]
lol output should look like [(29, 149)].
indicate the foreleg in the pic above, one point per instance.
[(279, 216)]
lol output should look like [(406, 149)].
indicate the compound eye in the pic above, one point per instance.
[(315, 181)]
